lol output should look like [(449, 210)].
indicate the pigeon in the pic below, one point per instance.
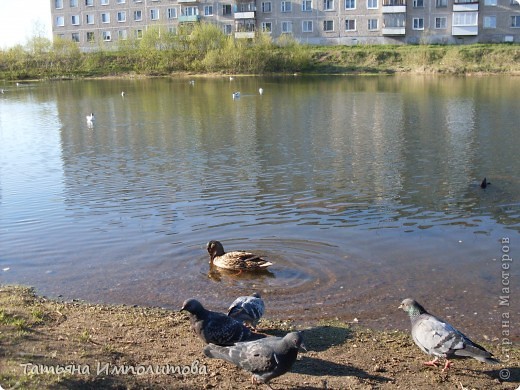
[(438, 338), (484, 183), (213, 327), (265, 359), (248, 309)]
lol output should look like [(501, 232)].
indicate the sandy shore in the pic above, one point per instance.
[(47, 344)]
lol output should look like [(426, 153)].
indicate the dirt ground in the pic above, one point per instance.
[(47, 344)]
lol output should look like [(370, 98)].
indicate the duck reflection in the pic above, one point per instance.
[(219, 274)]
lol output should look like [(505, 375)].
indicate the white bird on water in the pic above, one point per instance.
[(90, 119), (236, 95), (261, 91), (123, 93)]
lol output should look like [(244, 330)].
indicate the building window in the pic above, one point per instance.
[(121, 2), (418, 3), (286, 27), (104, 2), (328, 25), (418, 23), (226, 9), (107, 36), (286, 6), (307, 5), (121, 16), (172, 13), (228, 29), (154, 14), (373, 24), (350, 4), (89, 3), (75, 20), (58, 4), (105, 17), (490, 2), (172, 30), (441, 22), (515, 21), (372, 4), (190, 11), (208, 10), (350, 25), (328, 5), (89, 18), (441, 3), (138, 16), (73, 3), (307, 26), (267, 27), (490, 22), (465, 19), (90, 36), (60, 21), (138, 34), (122, 35), (75, 37), (266, 6)]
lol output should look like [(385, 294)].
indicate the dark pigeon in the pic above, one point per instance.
[(438, 338), (265, 359), (213, 327), (248, 309)]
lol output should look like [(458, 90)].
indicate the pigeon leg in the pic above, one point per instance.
[(432, 363), (447, 365), (254, 381)]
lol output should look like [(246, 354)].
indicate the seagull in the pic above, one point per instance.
[(248, 309), (192, 82), (213, 327), (123, 93), (265, 359), (90, 119), (261, 91), (236, 95), (438, 338), (231, 78)]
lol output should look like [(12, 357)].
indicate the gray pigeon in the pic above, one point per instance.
[(213, 327), (248, 309), (265, 359), (438, 338)]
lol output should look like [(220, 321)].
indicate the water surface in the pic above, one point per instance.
[(361, 190)]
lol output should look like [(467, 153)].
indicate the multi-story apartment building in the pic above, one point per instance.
[(323, 22)]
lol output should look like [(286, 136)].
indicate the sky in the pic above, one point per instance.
[(21, 20)]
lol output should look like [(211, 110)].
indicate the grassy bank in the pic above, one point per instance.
[(46, 344), (206, 49)]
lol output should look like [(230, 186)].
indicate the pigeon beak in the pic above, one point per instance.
[(302, 346), (400, 306)]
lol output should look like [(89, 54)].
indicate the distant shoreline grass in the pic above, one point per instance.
[(206, 50)]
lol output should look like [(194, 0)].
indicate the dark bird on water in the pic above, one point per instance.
[(236, 260), (438, 338), (484, 183)]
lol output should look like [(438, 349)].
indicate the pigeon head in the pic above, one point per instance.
[(294, 340), (192, 306), (256, 295), (215, 248), (413, 308)]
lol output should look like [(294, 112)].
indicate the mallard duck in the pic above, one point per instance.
[(236, 260)]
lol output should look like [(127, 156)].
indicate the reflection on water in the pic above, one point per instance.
[(362, 191)]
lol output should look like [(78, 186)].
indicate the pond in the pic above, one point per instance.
[(361, 190)]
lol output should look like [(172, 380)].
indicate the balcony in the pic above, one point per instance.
[(394, 30), (394, 6), (244, 34), (245, 15), (187, 1), (189, 18), (464, 30), (465, 5)]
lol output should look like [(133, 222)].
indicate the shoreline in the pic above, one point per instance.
[(46, 343)]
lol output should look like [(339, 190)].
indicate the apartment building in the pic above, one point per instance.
[(322, 22)]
